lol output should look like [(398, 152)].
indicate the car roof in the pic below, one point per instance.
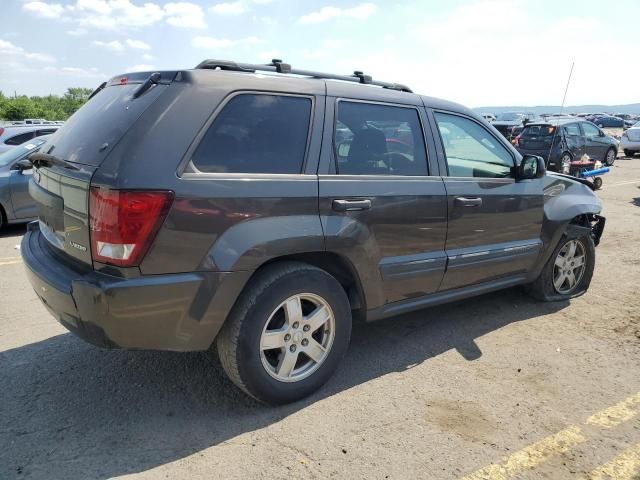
[(319, 86), (556, 122)]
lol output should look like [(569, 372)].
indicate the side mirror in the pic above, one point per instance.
[(531, 166), (21, 165)]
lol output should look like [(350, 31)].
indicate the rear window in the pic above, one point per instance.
[(91, 133), (256, 133), (18, 139), (539, 131)]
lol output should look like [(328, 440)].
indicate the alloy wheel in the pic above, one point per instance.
[(611, 156), (297, 337), (569, 267)]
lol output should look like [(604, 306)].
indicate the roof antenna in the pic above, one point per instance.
[(564, 98)]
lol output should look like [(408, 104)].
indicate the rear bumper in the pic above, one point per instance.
[(178, 312)]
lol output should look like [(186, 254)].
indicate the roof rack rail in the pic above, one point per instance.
[(278, 66)]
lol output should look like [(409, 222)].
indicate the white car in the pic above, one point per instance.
[(630, 140)]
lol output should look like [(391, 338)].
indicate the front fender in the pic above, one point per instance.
[(564, 200), (249, 244)]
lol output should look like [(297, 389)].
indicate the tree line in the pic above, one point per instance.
[(50, 107)]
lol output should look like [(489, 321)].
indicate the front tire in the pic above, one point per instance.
[(286, 334), (568, 272)]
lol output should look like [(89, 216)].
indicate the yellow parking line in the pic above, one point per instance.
[(614, 416), (531, 456), (625, 466), (10, 260), (537, 453)]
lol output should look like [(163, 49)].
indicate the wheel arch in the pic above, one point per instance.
[(334, 264)]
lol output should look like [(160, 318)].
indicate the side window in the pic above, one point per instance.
[(256, 133), (373, 139), (573, 129), (46, 131), (471, 150), (590, 130), (18, 139)]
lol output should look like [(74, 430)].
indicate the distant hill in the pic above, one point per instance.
[(633, 108)]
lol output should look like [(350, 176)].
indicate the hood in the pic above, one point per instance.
[(583, 181)]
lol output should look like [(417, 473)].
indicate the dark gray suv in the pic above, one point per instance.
[(260, 208)]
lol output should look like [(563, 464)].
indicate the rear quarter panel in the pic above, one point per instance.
[(217, 222)]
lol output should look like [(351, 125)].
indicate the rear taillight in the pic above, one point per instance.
[(1, 130), (124, 223)]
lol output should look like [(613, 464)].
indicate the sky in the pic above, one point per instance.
[(476, 52)]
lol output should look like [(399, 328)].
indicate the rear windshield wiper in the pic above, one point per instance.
[(46, 160), (97, 90), (153, 79)]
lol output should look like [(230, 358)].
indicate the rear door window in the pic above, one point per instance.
[(374, 139), (256, 133), (573, 129)]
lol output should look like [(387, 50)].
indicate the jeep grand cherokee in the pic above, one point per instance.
[(261, 208)]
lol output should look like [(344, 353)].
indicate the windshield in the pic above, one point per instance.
[(510, 117), (20, 151), (637, 125)]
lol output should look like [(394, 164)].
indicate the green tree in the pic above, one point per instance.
[(50, 107), (19, 108)]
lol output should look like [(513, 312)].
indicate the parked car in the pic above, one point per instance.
[(16, 205), (608, 121), (13, 135), (247, 226), (511, 123), (489, 117), (565, 140), (630, 141)]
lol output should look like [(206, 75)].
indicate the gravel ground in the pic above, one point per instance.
[(436, 394)]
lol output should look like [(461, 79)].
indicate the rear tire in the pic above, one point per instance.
[(629, 153), (264, 352), (610, 157), (549, 286)]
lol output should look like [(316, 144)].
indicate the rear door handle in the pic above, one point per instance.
[(343, 205), (468, 201)]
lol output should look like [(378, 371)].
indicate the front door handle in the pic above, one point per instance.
[(468, 201), (343, 205)]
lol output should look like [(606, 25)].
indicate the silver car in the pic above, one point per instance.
[(630, 141), (13, 135), (16, 205)]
